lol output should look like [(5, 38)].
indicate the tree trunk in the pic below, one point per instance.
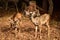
[(50, 7), (6, 5), (44, 5)]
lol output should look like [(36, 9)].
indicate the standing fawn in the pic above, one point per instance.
[(43, 19)]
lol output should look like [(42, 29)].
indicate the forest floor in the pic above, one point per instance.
[(27, 30)]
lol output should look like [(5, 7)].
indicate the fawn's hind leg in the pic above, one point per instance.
[(48, 30)]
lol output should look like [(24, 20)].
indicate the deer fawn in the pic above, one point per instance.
[(43, 19)]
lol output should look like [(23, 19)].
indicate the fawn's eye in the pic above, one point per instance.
[(35, 16)]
